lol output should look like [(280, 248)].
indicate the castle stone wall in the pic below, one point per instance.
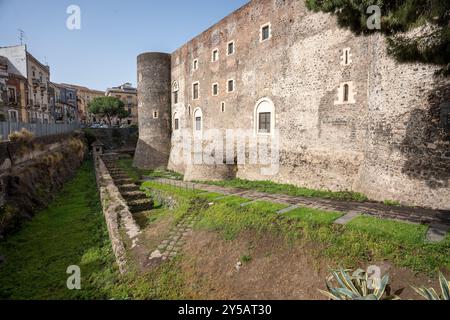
[(385, 142)]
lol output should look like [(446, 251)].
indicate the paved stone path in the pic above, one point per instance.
[(169, 248), (438, 220)]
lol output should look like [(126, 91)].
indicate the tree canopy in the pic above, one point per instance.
[(108, 107), (431, 45)]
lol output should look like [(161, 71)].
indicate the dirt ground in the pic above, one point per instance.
[(276, 270), (272, 269)]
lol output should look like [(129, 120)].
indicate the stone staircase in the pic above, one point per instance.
[(137, 200)]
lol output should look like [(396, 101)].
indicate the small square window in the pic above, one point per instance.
[(265, 32), (264, 122), (230, 86), (230, 48), (215, 55), (195, 93), (215, 89)]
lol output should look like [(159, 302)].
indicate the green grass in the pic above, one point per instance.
[(70, 232), (363, 241), (395, 230), (272, 187), (313, 215)]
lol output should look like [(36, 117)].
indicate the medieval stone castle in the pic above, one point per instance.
[(349, 117)]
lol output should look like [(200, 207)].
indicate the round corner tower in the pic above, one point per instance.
[(154, 77)]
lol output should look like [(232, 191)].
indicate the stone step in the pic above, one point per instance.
[(132, 196), (123, 181), (141, 205), (128, 188)]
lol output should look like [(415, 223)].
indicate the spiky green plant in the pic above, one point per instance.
[(358, 286), (431, 294)]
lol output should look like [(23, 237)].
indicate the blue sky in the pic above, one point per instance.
[(103, 53)]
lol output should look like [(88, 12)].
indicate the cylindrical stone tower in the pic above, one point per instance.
[(154, 94)]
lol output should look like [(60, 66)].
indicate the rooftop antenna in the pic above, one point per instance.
[(21, 35)]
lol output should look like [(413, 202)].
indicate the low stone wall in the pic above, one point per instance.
[(117, 214)]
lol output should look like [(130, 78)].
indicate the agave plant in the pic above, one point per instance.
[(431, 294), (358, 286)]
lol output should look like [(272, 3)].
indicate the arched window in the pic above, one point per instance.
[(176, 122), (346, 92), (175, 90), (264, 116), (198, 120)]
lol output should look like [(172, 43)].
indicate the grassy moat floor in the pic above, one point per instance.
[(234, 252)]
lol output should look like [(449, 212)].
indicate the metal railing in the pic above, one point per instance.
[(38, 129)]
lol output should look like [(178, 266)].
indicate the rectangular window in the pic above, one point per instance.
[(230, 48), (215, 89), (198, 123), (215, 55), (176, 124), (155, 115), (265, 32), (195, 93), (175, 97), (222, 107), (230, 85), (12, 94), (264, 122), (195, 64)]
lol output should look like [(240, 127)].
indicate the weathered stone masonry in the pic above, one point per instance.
[(349, 116)]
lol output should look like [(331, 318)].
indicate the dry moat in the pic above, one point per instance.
[(174, 240)]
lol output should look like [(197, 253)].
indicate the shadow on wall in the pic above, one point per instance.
[(147, 157), (427, 141)]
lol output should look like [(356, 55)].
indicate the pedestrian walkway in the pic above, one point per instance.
[(438, 220)]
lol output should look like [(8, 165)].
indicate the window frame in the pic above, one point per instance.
[(198, 90), (175, 92), (216, 50), (195, 64), (261, 32), (215, 85), (176, 122), (269, 107), (222, 106), (198, 113), (228, 85), (266, 121), (228, 47), (15, 94)]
